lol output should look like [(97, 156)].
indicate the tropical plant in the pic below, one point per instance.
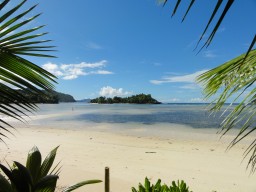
[(36, 175), (235, 78), (181, 186), (16, 72), (158, 187)]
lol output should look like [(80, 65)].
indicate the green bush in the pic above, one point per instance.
[(35, 176), (158, 187)]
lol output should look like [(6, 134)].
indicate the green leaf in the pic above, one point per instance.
[(46, 184), (210, 20), (15, 18), (9, 13), (47, 163), (15, 70), (4, 184), (235, 78), (80, 184), (34, 163), (147, 184), (2, 4), (176, 7), (24, 173), (189, 7), (7, 172)]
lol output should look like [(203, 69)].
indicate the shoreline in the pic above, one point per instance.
[(198, 157)]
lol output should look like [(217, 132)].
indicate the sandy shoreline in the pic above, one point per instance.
[(196, 156)]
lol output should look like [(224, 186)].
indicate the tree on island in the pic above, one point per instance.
[(134, 99)]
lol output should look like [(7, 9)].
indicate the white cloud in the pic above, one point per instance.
[(102, 72), (209, 54), (197, 100), (222, 29), (191, 86), (111, 92), (92, 45), (174, 100), (190, 78), (73, 71)]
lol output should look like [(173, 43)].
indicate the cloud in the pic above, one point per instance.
[(190, 78), (209, 54), (221, 29), (197, 100), (92, 45), (73, 71), (157, 64), (111, 92), (191, 86), (174, 100), (102, 72)]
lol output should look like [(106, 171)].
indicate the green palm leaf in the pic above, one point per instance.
[(235, 78), (47, 163), (15, 71), (47, 184), (5, 185), (80, 184), (33, 164)]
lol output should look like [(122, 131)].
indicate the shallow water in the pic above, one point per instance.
[(193, 115)]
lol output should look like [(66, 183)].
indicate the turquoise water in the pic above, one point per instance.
[(193, 115)]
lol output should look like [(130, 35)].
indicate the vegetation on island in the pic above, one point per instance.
[(134, 99), (50, 97)]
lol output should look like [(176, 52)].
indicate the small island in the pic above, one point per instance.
[(134, 99)]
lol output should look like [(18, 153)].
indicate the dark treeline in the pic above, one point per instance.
[(44, 97), (134, 99)]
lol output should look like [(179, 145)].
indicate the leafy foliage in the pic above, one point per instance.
[(35, 176), (16, 71), (135, 99), (235, 78), (48, 96), (158, 187)]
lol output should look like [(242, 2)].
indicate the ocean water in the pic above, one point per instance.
[(192, 115)]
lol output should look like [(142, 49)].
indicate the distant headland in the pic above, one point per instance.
[(52, 97), (134, 99)]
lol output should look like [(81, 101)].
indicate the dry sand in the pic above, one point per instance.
[(194, 155)]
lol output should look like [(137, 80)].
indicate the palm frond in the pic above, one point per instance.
[(213, 16), (17, 73), (235, 79), (188, 9)]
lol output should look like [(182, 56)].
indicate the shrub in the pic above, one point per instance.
[(179, 187), (35, 176)]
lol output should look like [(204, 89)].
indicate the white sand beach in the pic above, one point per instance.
[(196, 156)]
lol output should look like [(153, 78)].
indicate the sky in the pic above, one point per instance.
[(127, 47)]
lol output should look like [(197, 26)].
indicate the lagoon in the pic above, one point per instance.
[(191, 115)]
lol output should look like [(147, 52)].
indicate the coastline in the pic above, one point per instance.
[(196, 156)]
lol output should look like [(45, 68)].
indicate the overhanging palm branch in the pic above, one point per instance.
[(17, 72), (235, 79), (212, 18)]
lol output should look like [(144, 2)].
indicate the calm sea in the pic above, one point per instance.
[(193, 115)]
